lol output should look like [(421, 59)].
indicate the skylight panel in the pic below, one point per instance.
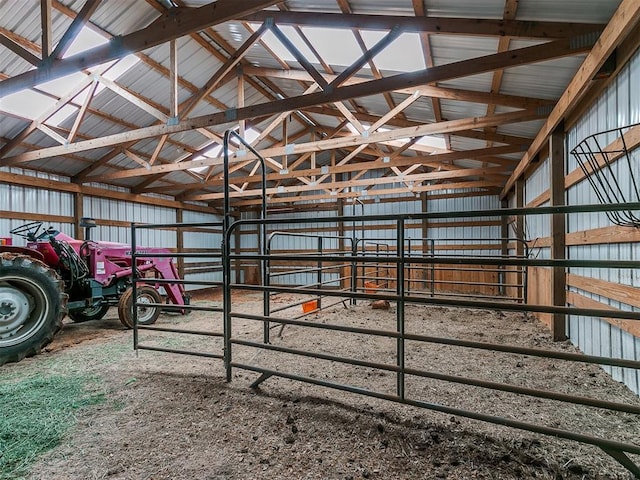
[(31, 104), (26, 103), (404, 54), (62, 86), (336, 46), (85, 40), (280, 50), (432, 141)]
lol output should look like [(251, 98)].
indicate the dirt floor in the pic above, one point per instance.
[(170, 416)]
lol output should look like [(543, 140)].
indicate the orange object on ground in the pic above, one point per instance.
[(309, 306), (370, 287)]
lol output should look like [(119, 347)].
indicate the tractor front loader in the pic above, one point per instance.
[(55, 275)]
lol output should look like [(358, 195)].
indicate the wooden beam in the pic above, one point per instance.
[(133, 98), (22, 136), (623, 21), (82, 112), (217, 77), (433, 25), (525, 55), (510, 8), (52, 134), (464, 172), (376, 192), (26, 180), (74, 29), (626, 294), (580, 301), (18, 50), (429, 129), (558, 230), (172, 25), (78, 213), (604, 235), (425, 42), (366, 57), (47, 34), (240, 93), (173, 78), (514, 101)]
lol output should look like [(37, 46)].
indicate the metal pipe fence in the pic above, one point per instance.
[(214, 256), (399, 267), (336, 278), (374, 259)]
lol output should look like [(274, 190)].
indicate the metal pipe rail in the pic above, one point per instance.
[(405, 266), (320, 269), (213, 228)]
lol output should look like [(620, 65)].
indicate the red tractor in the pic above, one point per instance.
[(55, 275)]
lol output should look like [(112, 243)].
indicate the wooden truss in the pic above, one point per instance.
[(320, 141)]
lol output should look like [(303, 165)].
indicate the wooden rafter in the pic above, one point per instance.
[(314, 186), (559, 48), (82, 112), (74, 29), (428, 129), (622, 23), (491, 188), (473, 96), (179, 23), (18, 49), (344, 6), (217, 77), (418, 8), (510, 8), (47, 33), (455, 26), (394, 160)]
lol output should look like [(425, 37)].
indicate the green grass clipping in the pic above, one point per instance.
[(36, 413)]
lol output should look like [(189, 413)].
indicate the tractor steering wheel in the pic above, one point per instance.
[(29, 231)]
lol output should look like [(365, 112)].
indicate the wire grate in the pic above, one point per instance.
[(611, 170)]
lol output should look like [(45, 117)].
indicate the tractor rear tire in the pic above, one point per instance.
[(146, 315), (89, 313), (32, 306)]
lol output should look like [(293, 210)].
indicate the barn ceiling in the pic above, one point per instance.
[(343, 98)]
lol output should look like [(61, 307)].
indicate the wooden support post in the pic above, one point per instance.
[(241, 123), (285, 140), (504, 249), (45, 17), (558, 232), (180, 242), (173, 78), (78, 213)]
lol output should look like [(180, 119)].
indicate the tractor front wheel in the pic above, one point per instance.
[(89, 313), (146, 314), (32, 305)]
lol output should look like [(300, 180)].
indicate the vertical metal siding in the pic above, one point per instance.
[(21, 199), (618, 106)]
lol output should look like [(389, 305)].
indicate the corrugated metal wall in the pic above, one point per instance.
[(618, 106), (19, 199), (476, 234), (202, 241), (113, 217), (385, 235)]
